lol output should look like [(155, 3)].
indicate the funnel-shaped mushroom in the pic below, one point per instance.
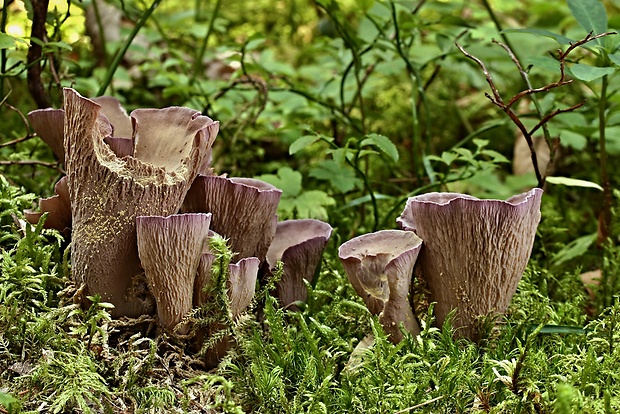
[(48, 124), (241, 286), (244, 211), (475, 251), (108, 193), (299, 244), (170, 250), (58, 208), (380, 267)]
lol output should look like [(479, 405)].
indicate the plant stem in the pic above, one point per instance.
[(203, 47), (3, 20), (605, 219), (35, 51), (118, 57)]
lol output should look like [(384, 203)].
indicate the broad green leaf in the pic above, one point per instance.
[(9, 402), (590, 14), (6, 41), (496, 156), (615, 58), (363, 200), (573, 182), (311, 204), (573, 140), (303, 142), (287, 180), (383, 143), (574, 249), (342, 178), (563, 40), (589, 73), (542, 63)]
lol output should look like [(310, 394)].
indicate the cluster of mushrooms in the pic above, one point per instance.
[(141, 203), (470, 252)]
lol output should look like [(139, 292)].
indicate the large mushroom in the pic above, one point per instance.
[(380, 267), (244, 211), (170, 250), (475, 251), (107, 192), (299, 245)]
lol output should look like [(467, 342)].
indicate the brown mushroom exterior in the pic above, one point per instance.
[(299, 245), (241, 285), (170, 249), (244, 211), (108, 193), (48, 124), (380, 267), (475, 251), (58, 208)]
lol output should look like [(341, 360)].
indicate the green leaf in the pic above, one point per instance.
[(343, 179), (6, 41), (574, 249), (287, 180), (590, 14), (311, 204), (573, 140), (383, 143), (9, 402), (615, 58), (563, 40), (572, 182), (303, 142), (589, 73)]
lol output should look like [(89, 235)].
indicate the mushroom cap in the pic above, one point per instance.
[(475, 251), (244, 211), (117, 116), (58, 206), (242, 283), (48, 124), (107, 194), (380, 267), (299, 244), (170, 250)]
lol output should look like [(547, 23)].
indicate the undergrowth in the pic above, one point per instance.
[(545, 355)]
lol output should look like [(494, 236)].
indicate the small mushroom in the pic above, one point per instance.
[(170, 250), (107, 193), (58, 208), (241, 286), (244, 211), (48, 124), (475, 251), (380, 267), (299, 245)]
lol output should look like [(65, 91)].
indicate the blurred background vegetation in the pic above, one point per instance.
[(350, 107)]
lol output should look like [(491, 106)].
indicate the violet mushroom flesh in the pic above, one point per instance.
[(48, 124), (58, 208), (475, 251), (170, 250), (244, 211), (380, 267), (241, 285), (107, 193), (299, 245)]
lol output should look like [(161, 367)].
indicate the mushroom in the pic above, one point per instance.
[(475, 251), (299, 245), (58, 208), (244, 211), (380, 266), (107, 193), (170, 250), (48, 124), (241, 286)]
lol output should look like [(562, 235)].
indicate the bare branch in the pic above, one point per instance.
[(53, 165)]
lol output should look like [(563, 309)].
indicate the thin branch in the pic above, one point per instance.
[(53, 165), (497, 100), (35, 51), (16, 141)]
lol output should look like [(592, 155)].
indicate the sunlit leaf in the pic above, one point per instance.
[(572, 182), (589, 73), (303, 142)]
